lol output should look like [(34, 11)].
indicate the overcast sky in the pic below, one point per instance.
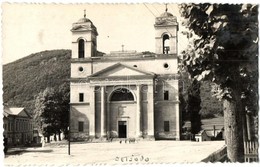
[(31, 28)]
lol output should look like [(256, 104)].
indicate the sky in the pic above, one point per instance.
[(30, 28)]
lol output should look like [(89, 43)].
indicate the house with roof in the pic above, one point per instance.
[(18, 126), (130, 93), (203, 136)]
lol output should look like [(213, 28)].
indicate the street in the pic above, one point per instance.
[(115, 153)]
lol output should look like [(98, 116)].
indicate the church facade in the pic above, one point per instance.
[(126, 93)]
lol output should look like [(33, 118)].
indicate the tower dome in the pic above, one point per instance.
[(166, 14), (84, 24), (83, 20)]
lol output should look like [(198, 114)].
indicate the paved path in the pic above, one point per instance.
[(116, 153)]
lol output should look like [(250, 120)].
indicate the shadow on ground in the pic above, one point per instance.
[(19, 152)]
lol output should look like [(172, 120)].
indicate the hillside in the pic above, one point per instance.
[(26, 77)]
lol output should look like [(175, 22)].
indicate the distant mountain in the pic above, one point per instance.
[(25, 78)]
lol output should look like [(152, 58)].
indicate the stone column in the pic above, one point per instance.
[(138, 110), (107, 118), (92, 111), (150, 110), (103, 111)]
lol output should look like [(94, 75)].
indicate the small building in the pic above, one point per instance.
[(202, 136), (18, 126)]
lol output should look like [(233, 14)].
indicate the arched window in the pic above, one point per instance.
[(81, 48), (122, 94), (166, 44)]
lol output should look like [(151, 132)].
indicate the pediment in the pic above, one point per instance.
[(120, 70)]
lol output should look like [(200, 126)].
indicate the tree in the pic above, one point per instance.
[(52, 110), (224, 50), (193, 106)]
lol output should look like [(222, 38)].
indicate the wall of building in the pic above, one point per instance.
[(18, 130), (166, 110), (125, 110), (80, 113), (150, 65)]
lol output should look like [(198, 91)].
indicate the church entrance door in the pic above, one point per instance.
[(122, 129)]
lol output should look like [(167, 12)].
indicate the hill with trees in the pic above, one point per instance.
[(25, 78)]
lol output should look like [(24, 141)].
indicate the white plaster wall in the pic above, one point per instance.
[(75, 73), (155, 65), (76, 88)]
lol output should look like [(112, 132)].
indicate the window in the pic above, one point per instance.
[(166, 126), (81, 97), (81, 48), (122, 94), (81, 126), (166, 95), (166, 65), (166, 45), (81, 69)]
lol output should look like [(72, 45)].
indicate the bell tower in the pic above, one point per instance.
[(84, 38), (166, 28), (84, 47)]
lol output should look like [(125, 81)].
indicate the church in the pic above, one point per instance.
[(125, 93)]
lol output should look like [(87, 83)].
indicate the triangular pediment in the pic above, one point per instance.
[(120, 70)]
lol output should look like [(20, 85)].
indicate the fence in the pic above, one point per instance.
[(251, 151)]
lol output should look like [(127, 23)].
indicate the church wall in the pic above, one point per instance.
[(166, 85), (125, 110), (79, 113), (165, 111), (75, 73), (154, 65), (75, 89)]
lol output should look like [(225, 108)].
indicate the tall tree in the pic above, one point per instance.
[(224, 50), (52, 109), (194, 107)]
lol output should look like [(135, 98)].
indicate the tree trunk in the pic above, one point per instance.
[(59, 137), (55, 137), (248, 122), (233, 129), (244, 125), (48, 139)]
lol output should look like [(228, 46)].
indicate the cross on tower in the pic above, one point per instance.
[(166, 9), (84, 13)]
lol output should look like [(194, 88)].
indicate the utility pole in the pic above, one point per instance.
[(69, 133)]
